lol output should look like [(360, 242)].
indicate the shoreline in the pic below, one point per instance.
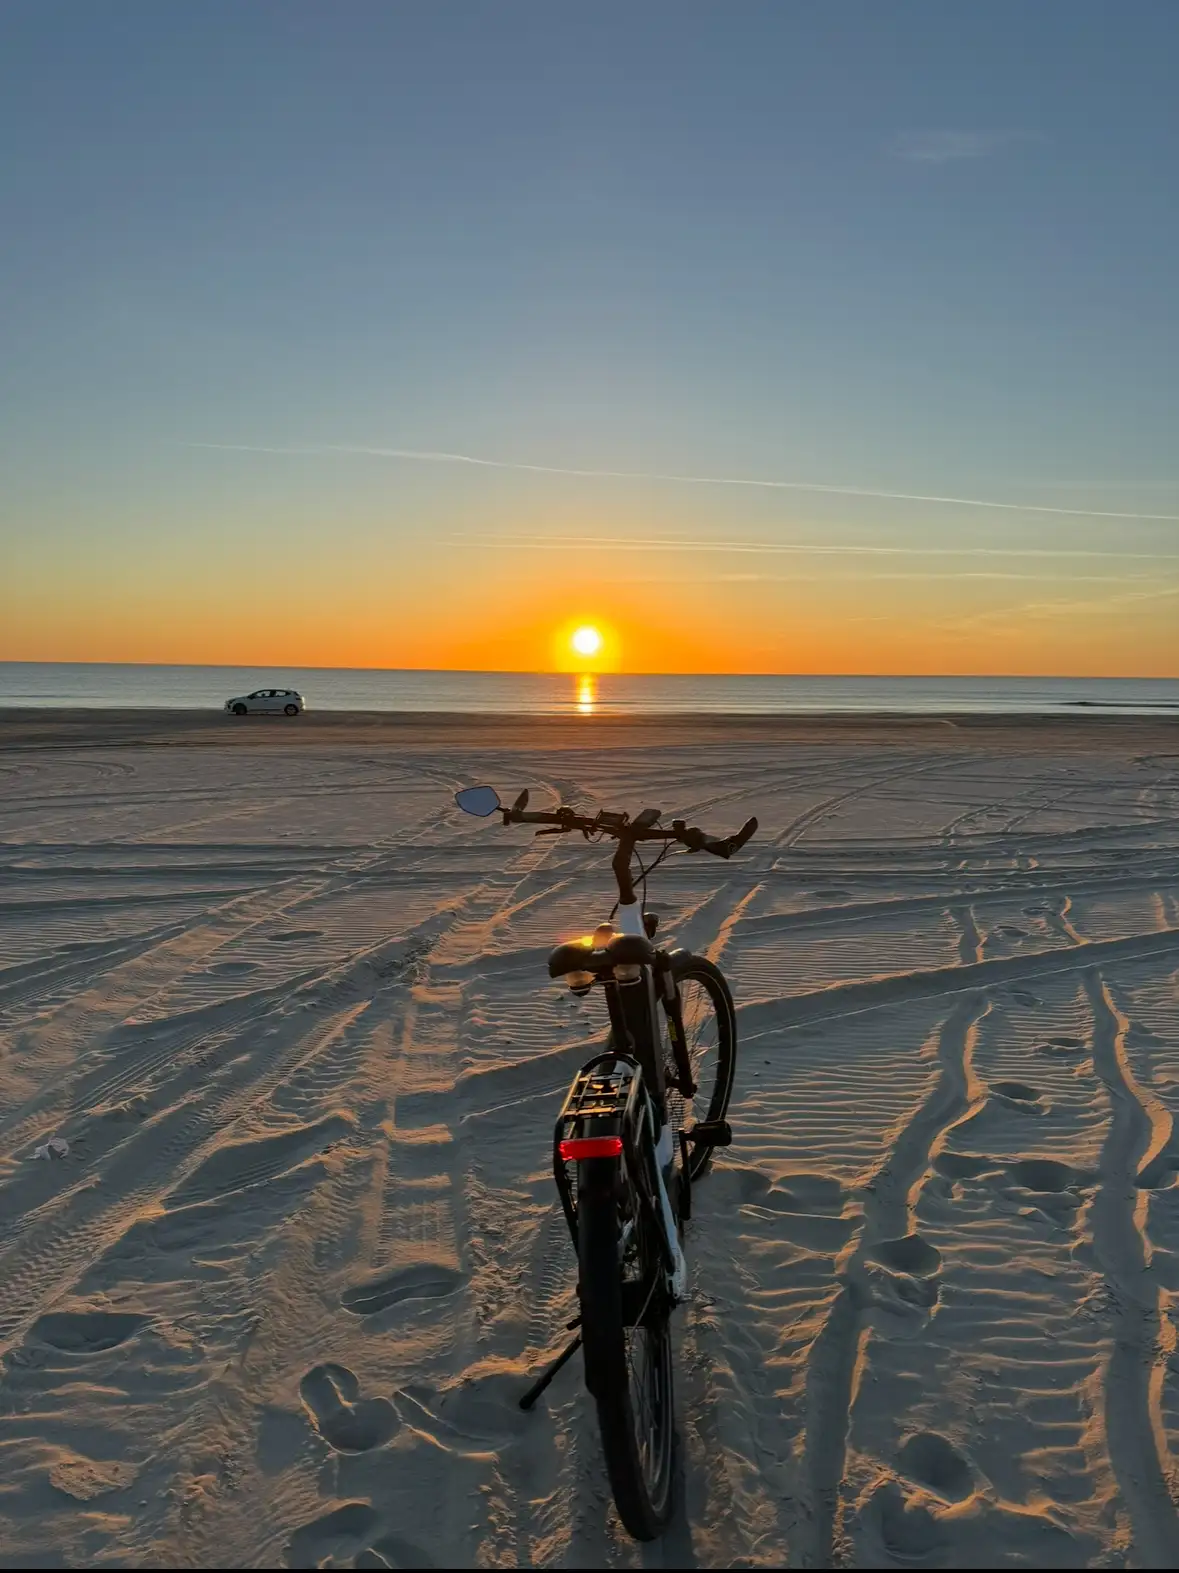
[(59, 727)]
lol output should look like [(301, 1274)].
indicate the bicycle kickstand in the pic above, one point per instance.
[(551, 1369)]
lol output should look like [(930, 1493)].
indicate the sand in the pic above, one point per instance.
[(289, 1010)]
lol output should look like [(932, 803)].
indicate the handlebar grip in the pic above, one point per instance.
[(725, 846), (744, 834)]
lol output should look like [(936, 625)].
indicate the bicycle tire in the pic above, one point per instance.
[(638, 1436), (713, 1059)]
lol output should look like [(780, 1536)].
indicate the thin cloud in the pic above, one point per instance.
[(1047, 610), (955, 577), (432, 456), (949, 147), (621, 543)]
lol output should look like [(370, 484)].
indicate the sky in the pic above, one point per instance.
[(766, 337)]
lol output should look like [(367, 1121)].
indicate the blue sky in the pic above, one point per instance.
[(917, 248)]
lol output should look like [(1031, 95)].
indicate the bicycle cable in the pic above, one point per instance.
[(649, 868), (644, 870)]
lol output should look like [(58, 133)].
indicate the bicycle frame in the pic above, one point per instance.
[(640, 1029), (634, 1024), (613, 1147), (630, 984)]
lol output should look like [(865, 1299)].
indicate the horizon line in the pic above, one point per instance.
[(579, 672)]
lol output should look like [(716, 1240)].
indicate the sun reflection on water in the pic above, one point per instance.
[(587, 694)]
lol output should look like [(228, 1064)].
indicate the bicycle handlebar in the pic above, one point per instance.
[(644, 828)]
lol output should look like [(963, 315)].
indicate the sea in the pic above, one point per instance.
[(125, 686)]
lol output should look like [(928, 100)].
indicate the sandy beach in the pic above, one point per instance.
[(288, 1008)]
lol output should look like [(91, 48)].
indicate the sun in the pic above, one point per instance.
[(587, 641)]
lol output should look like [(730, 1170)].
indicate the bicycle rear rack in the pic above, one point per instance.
[(609, 1088)]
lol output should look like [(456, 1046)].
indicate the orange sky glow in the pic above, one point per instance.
[(511, 625)]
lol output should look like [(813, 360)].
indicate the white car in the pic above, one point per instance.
[(267, 701)]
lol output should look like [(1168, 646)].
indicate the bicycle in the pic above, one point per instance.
[(625, 1190)]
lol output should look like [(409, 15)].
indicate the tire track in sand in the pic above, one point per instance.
[(888, 1270), (233, 1073), (1139, 1128), (820, 811)]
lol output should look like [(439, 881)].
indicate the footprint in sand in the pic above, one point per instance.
[(1061, 1048), (423, 1281), (336, 1535), (909, 1254), (347, 1422), (1017, 1092), (963, 1165), (483, 1411), (933, 1461), (908, 1529), (1044, 1175), (86, 1332), (287, 935), (233, 969), (1022, 997), (911, 1265), (1050, 1188), (240, 1165), (805, 1209)]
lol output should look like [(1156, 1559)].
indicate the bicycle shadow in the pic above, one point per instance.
[(738, 1499), (676, 1548)]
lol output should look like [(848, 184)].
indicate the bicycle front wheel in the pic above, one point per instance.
[(710, 1037), (627, 1342)]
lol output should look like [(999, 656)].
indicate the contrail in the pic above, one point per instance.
[(432, 456), (774, 548)]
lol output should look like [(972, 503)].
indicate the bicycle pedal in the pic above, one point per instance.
[(711, 1133)]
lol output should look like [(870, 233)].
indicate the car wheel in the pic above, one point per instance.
[(239, 709), (292, 709)]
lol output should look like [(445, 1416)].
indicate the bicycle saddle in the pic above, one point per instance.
[(580, 955)]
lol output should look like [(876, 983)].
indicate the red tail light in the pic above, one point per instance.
[(591, 1147)]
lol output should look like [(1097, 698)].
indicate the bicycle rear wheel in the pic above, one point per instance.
[(710, 1035), (627, 1341)]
